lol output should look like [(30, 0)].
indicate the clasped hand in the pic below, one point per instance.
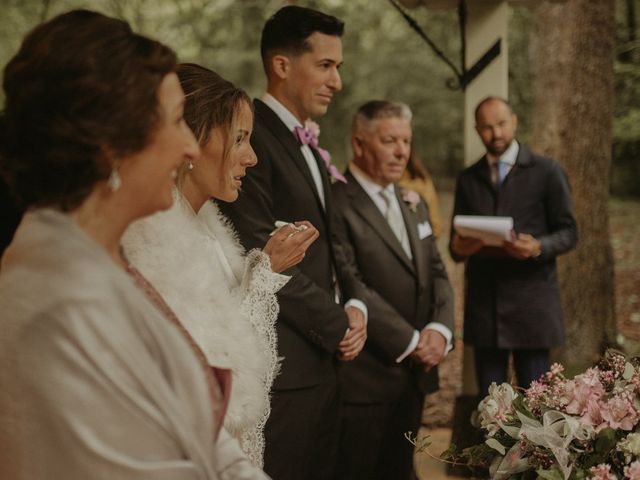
[(430, 350), (287, 247), (353, 342)]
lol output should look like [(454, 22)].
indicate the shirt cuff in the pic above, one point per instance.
[(412, 346), (446, 333), (359, 304)]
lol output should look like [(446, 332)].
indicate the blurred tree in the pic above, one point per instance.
[(573, 124), (625, 179), (384, 58)]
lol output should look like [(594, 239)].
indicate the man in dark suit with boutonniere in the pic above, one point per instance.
[(322, 317), (387, 234)]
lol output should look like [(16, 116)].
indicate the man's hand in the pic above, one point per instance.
[(353, 342), (523, 247), (466, 246), (431, 349)]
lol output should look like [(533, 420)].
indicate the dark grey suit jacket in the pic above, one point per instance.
[(512, 303), (403, 294), (280, 187)]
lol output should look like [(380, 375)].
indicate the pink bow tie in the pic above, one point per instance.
[(307, 137)]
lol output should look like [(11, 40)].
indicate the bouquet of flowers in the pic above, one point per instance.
[(587, 427)]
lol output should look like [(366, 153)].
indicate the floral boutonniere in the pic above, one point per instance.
[(411, 198), (312, 126)]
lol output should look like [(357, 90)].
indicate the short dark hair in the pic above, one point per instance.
[(81, 90), (288, 29), (491, 98), (210, 102)]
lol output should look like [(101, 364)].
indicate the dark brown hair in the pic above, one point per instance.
[(491, 98), (80, 92), (210, 102), (288, 30)]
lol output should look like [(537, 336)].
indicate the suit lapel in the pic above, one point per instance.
[(411, 224), (289, 142), (482, 170), (365, 207), (326, 182)]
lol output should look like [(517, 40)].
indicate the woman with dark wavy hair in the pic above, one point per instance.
[(99, 379)]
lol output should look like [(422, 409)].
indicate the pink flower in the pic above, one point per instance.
[(620, 413), (602, 472), (632, 472), (580, 390), (555, 371), (411, 198), (313, 127), (593, 415), (535, 394)]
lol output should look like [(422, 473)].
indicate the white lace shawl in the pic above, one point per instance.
[(225, 299)]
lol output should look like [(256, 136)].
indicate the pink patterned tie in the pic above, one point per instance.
[(307, 137)]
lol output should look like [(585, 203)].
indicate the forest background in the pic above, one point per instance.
[(384, 58)]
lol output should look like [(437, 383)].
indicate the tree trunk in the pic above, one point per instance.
[(573, 124)]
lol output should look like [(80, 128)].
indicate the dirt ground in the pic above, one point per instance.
[(625, 232)]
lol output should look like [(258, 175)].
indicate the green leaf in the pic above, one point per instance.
[(606, 440), (579, 474), (553, 474), (420, 443), (450, 452), (496, 445), (628, 371), (520, 406)]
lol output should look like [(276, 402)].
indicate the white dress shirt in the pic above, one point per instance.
[(373, 190), (508, 157), (291, 122)]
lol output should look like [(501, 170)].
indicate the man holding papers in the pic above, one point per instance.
[(512, 299)]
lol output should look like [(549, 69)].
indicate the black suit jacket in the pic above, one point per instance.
[(404, 294), (512, 303), (280, 187)]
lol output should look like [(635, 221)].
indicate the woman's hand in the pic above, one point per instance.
[(288, 245)]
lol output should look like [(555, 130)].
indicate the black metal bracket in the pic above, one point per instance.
[(469, 75), (463, 76)]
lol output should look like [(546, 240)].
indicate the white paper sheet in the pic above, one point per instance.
[(491, 230)]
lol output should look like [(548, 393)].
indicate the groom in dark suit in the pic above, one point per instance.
[(388, 234), (322, 316)]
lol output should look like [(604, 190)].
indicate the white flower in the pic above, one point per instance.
[(496, 408), (630, 446)]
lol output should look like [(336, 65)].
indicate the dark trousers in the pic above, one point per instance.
[(301, 435), (372, 441), (492, 364)]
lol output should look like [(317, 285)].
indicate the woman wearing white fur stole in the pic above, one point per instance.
[(190, 253)]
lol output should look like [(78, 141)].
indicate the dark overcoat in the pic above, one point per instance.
[(510, 303)]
